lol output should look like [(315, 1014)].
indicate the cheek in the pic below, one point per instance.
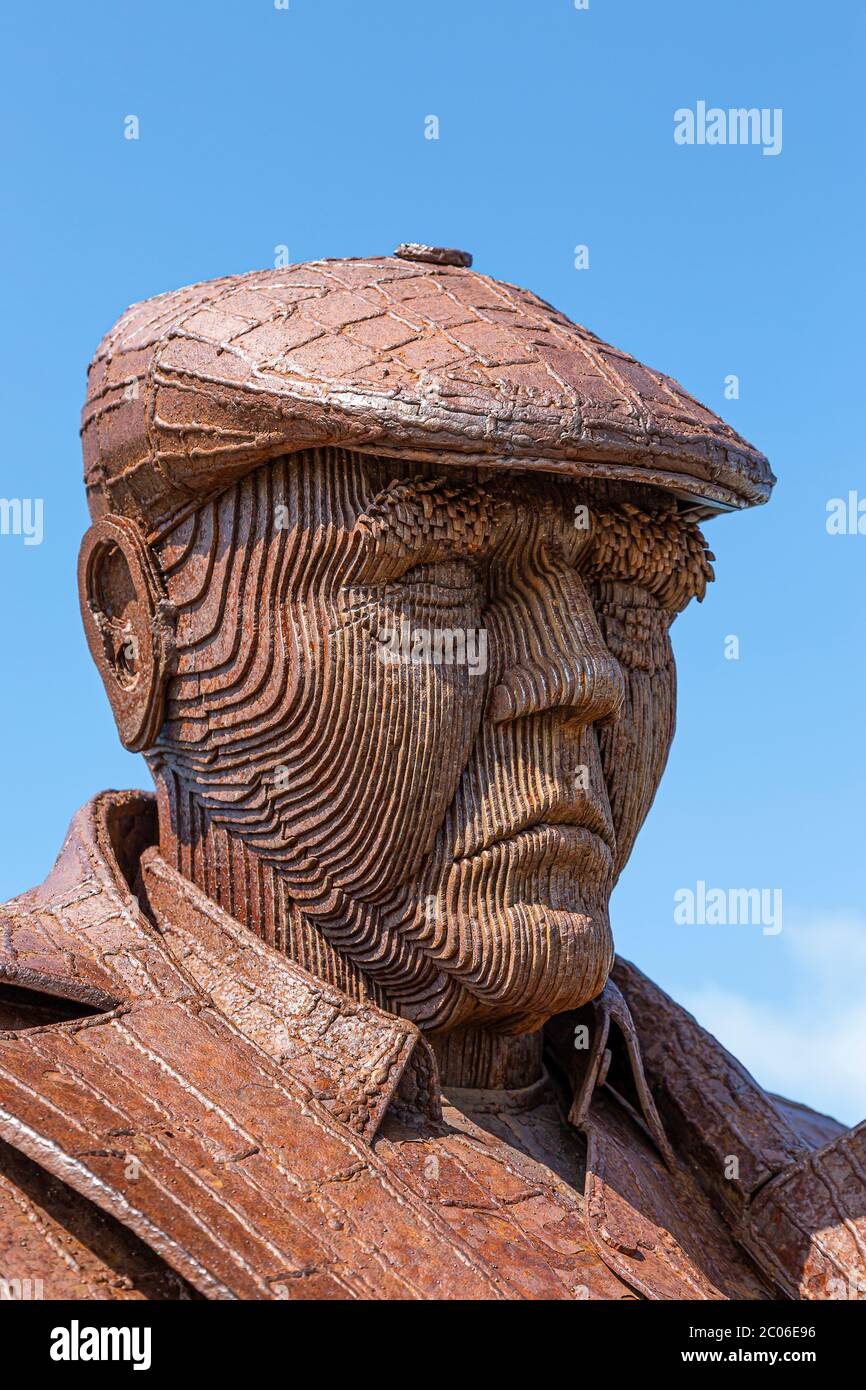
[(388, 732), (634, 751)]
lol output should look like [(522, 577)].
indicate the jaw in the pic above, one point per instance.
[(551, 962), (519, 931)]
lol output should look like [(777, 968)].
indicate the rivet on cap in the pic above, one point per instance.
[(434, 255)]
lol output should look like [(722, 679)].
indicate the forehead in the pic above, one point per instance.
[(334, 518), (337, 499)]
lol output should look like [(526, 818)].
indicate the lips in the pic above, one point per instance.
[(590, 814), (549, 844)]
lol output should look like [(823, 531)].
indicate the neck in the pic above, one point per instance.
[(481, 1060), (249, 889), (253, 893)]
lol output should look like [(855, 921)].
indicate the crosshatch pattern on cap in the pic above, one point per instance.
[(192, 389)]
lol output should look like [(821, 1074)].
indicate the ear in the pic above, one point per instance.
[(129, 625)]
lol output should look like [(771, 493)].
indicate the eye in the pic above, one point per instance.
[(440, 585), (634, 626)]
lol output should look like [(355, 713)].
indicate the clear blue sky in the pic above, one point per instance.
[(305, 127)]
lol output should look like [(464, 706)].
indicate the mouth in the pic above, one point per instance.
[(551, 844), (591, 815)]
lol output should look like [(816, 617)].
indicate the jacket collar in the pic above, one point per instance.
[(355, 1058), (85, 934)]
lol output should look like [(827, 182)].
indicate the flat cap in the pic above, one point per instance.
[(414, 356)]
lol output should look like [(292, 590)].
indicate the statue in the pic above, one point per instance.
[(383, 564)]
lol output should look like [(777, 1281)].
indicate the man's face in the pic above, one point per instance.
[(439, 705)]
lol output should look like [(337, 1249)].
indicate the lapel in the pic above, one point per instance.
[(251, 1179)]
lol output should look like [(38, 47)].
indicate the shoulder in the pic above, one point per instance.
[(788, 1181), (54, 939), (54, 1242), (710, 1103)]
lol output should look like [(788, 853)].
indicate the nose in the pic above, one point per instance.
[(551, 654)]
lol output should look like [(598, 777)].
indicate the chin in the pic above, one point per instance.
[(515, 944)]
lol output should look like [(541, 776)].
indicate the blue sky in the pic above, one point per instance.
[(305, 127)]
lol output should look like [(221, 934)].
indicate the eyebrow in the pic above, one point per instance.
[(423, 519), (436, 516), (661, 552)]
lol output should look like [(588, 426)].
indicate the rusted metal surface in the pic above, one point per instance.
[(433, 255), (649, 1221), (55, 1244), (329, 1043), (808, 1226), (333, 1016), (417, 359), (164, 1115), (227, 1111), (711, 1107), (165, 1080)]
